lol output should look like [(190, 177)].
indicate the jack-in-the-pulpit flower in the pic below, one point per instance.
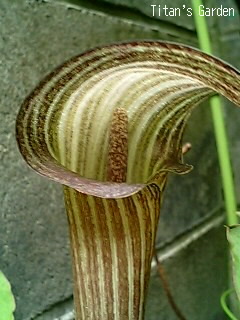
[(108, 125)]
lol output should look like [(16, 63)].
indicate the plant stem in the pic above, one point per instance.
[(224, 304), (167, 289), (218, 123)]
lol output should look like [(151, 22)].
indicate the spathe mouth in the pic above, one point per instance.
[(66, 127)]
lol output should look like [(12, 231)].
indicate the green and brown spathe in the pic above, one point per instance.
[(108, 125)]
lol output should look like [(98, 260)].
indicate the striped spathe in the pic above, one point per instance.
[(108, 125)]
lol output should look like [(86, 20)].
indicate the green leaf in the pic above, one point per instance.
[(233, 236), (7, 302)]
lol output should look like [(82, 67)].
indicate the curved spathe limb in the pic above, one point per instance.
[(63, 126)]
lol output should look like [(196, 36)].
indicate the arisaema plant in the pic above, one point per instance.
[(108, 125)]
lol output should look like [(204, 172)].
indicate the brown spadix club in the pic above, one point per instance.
[(108, 126)]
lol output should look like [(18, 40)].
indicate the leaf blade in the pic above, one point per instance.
[(7, 301), (233, 236)]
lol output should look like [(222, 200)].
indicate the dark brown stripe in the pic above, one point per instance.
[(101, 215)]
